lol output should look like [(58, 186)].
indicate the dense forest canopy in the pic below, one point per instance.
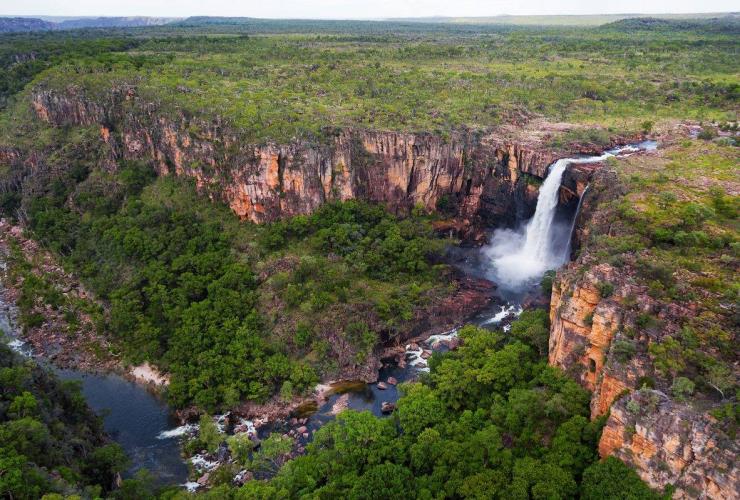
[(234, 312), (492, 420)]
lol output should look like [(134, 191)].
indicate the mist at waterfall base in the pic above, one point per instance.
[(519, 257)]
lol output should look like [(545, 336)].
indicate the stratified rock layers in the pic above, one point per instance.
[(475, 176), (596, 336)]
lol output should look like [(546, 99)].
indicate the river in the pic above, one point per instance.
[(515, 259), (132, 416)]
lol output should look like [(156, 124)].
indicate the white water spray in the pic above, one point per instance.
[(521, 256)]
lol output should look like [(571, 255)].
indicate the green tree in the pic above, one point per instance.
[(532, 328), (104, 463), (611, 479), (384, 481), (241, 447), (209, 434), (272, 454)]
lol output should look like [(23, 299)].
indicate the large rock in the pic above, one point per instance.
[(668, 443), (387, 407)]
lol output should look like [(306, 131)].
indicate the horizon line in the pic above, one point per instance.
[(430, 17)]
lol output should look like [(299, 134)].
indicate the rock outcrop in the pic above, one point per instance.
[(594, 338), (472, 177), (603, 322), (668, 443)]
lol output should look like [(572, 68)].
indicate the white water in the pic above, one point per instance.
[(506, 310), (178, 431), (521, 256)]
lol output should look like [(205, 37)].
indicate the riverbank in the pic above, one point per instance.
[(132, 414), (54, 319)]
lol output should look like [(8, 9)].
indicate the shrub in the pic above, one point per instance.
[(209, 434), (623, 350), (707, 134), (633, 406), (303, 334), (681, 388), (605, 289), (547, 281), (286, 391), (646, 382), (588, 319)]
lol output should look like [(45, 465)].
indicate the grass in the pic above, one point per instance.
[(279, 87), (679, 237)]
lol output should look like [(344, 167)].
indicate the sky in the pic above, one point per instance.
[(354, 9)]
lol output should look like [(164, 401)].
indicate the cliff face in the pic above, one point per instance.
[(477, 178), (670, 443), (666, 441), (599, 334)]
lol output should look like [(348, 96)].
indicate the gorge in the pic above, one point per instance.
[(441, 229), (482, 184)]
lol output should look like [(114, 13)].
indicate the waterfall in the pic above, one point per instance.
[(566, 255), (521, 256), (537, 243)]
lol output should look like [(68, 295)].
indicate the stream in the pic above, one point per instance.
[(132, 416), (515, 259)]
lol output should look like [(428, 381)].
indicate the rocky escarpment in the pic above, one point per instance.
[(604, 319), (598, 339), (671, 443), (472, 177)]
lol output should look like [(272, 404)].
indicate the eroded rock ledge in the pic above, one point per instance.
[(477, 179), (669, 443)]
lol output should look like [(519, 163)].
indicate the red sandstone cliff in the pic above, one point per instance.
[(670, 443), (596, 336), (479, 177)]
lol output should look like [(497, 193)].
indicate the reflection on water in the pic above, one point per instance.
[(131, 415), (134, 418)]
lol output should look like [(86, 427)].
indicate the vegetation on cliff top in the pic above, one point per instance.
[(676, 232), (277, 87), (22, 57)]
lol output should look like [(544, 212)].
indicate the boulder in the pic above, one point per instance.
[(387, 407)]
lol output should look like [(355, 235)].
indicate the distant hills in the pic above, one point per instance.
[(24, 24), (711, 21), (21, 24), (729, 24), (565, 20)]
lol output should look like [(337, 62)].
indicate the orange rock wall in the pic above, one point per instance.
[(481, 175)]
